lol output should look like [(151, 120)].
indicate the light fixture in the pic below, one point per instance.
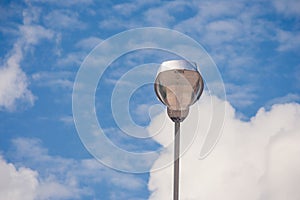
[(178, 85)]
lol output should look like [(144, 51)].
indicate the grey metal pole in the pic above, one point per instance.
[(176, 161)]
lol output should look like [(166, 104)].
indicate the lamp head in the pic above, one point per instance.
[(178, 85)]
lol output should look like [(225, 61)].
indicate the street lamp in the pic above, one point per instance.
[(178, 85)]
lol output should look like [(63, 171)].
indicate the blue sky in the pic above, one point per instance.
[(255, 45)]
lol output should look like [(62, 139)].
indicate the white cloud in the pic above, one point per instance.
[(222, 31), (51, 189), (291, 97), (113, 23), (125, 9), (66, 3), (161, 13), (253, 160), (288, 40), (17, 183), (230, 31), (63, 19), (13, 81), (57, 177), (32, 34), (31, 15), (73, 59), (287, 7), (216, 9), (283, 175), (144, 112), (67, 120), (88, 43), (55, 181), (210, 12), (62, 79), (241, 95)]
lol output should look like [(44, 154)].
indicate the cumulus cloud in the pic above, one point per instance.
[(55, 177), (52, 178), (253, 160), (17, 183)]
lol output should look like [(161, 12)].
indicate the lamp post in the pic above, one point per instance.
[(178, 85)]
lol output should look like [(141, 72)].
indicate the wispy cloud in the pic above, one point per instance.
[(63, 19), (288, 40), (88, 43), (289, 8), (126, 9), (67, 120), (60, 79), (14, 84), (73, 59), (13, 81), (66, 3), (241, 95), (289, 98), (152, 14), (127, 141)]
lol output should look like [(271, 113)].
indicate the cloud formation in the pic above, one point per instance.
[(288, 7), (254, 160), (55, 177), (17, 183), (13, 80), (13, 83)]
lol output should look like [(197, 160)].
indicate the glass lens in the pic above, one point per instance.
[(178, 84)]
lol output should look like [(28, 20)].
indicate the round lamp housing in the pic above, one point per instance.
[(178, 85)]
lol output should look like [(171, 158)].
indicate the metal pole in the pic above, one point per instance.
[(176, 161)]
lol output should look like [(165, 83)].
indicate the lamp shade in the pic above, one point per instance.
[(178, 85)]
